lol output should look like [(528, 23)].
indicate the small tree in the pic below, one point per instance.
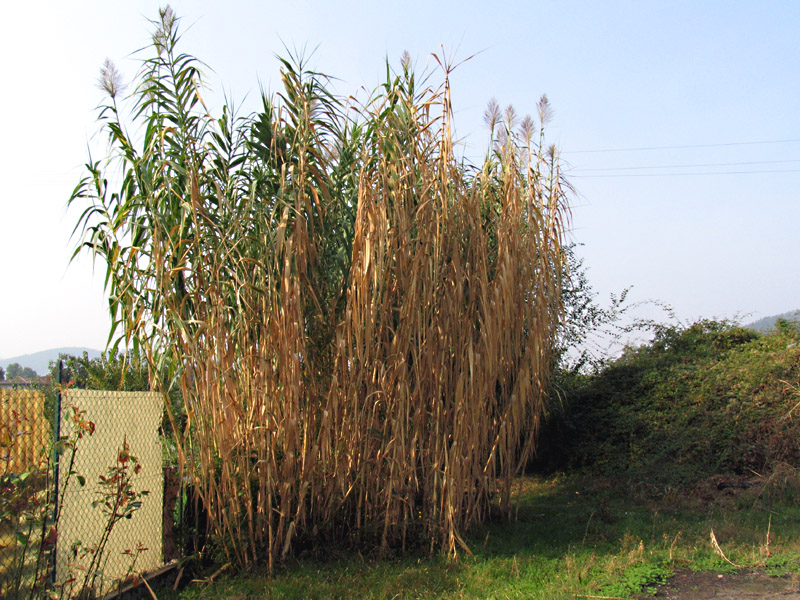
[(788, 328), (15, 370)]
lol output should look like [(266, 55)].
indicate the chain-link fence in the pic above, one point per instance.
[(24, 431), (25, 442), (104, 520), (104, 511)]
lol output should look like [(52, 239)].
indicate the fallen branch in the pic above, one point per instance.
[(213, 576)]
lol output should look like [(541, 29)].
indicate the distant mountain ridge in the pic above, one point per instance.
[(768, 323), (40, 361)]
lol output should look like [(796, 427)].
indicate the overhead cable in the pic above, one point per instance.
[(686, 174), (689, 166), (598, 150)]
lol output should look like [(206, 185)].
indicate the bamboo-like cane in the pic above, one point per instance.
[(361, 326)]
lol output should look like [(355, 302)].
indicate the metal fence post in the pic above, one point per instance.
[(56, 460)]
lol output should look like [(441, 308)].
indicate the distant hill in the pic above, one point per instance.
[(768, 323), (40, 361)]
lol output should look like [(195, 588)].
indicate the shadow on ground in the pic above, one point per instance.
[(741, 585)]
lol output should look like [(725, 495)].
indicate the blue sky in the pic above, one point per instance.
[(709, 77)]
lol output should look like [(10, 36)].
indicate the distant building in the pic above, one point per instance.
[(23, 383)]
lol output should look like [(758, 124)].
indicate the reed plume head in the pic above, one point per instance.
[(491, 116), (110, 80)]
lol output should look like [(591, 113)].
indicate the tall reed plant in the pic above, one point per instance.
[(360, 323)]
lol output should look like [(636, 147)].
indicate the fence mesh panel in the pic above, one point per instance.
[(24, 431), (119, 417), (26, 493), (24, 449)]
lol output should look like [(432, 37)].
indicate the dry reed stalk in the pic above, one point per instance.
[(444, 348)]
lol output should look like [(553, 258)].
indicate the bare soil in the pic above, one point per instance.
[(742, 585)]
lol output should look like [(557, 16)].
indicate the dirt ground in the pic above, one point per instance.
[(742, 585)]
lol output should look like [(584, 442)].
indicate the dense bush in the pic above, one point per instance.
[(711, 398), (110, 371)]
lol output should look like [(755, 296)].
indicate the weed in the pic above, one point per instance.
[(783, 565), (117, 500), (642, 578), (542, 555)]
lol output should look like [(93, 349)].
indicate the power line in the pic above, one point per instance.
[(686, 174), (680, 147), (722, 164)]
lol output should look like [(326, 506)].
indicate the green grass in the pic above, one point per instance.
[(571, 539), (647, 441)]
